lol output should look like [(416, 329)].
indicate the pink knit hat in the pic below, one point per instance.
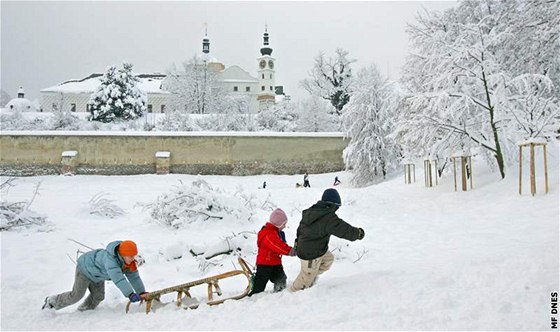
[(278, 218)]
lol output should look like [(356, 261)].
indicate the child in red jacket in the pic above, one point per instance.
[(272, 244)]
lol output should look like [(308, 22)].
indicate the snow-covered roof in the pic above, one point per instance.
[(149, 83), (20, 90), (236, 74)]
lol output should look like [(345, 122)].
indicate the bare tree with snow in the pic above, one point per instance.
[(368, 119), (316, 114), (461, 85), (4, 98), (194, 87), (331, 79)]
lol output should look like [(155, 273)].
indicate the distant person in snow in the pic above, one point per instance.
[(116, 263), (336, 181), (271, 242), (306, 181), (264, 185), (317, 225)]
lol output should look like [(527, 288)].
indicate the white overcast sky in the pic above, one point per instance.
[(44, 43)]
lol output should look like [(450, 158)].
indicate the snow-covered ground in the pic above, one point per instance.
[(432, 258)]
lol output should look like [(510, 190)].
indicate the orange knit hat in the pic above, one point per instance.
[(128, 248)]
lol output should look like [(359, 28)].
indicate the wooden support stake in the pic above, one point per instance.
[(545, 170), (455, 173), (436, 171), (471, 170), (520, 166), (532, 169), (464, 173)]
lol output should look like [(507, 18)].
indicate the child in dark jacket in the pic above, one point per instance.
[(272, 245), (317, 225)]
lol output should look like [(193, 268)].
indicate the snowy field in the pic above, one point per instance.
[(432, 258)]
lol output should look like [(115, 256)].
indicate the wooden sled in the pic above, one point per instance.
[(212, 284)]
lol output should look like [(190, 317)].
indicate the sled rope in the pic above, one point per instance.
[(213, 288)]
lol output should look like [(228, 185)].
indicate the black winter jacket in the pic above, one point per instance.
[(317, 225)]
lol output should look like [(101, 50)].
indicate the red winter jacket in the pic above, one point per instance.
[(271, 246)]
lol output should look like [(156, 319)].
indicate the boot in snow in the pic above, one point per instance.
[(47, 304)]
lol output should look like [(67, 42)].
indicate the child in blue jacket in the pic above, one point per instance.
[(116, 263)]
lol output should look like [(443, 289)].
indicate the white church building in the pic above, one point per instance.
[(261, 91)]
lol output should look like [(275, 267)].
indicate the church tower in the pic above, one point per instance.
[(266, 74), (210, 61)]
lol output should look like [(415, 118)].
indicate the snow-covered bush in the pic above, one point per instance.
[(101, 206), (196, 203), (14, 215), (282, 116), (14, 120), (64, 120), (177, 120)]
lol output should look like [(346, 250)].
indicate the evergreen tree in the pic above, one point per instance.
[(118, 96)]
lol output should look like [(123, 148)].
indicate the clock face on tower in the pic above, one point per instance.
[(270, 64), (262, 64)]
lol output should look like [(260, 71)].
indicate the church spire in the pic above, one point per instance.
[(205, 41), (266, 50)]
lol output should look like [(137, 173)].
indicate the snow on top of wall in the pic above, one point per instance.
[(171, 133), (70, 153), (163, 154)]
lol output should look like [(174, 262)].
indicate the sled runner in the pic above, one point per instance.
[(212, 285)]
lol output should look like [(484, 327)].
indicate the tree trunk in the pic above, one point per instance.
[(498, 154)]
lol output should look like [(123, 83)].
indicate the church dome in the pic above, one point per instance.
[(21, 105)]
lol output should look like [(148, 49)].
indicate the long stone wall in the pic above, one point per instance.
[(123, 153)]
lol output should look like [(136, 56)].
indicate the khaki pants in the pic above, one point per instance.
[(81, 284), (310, 270)]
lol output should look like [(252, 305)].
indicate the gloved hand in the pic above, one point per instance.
[(134, 297), (361, 234), (292, 252), (143, 295)]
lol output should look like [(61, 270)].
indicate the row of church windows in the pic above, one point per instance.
[(248, 88)]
